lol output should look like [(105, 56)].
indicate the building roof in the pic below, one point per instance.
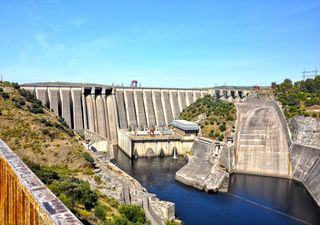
[(185, 125)]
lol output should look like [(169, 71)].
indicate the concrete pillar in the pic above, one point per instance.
[(121, 110), (100, 115), (90, 113), (236, 96), (229, 96), (113, 119), (84, 109), (104, 98), (95, 116), (140, 108), (156, 96), (196, 95), (54, 99), (130, 108), (149, 109), (182, 100), (76, 96), (66, 105), (166, 106), (42, 95), (173, 94), (222, 95), (189, 97)]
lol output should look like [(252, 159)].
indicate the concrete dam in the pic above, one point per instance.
[(104, 109)]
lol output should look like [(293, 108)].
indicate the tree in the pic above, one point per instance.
[(133, 213), (273, 85)]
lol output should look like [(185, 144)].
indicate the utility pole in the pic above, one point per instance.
[(306, 74)]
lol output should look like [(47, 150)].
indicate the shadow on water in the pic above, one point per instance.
[(250, 199)]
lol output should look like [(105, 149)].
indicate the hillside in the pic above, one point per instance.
[(35, 133), (299, 98), (216, 117)]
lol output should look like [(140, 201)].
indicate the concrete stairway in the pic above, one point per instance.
[(262, 147)]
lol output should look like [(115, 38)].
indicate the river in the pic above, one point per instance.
[(250, 199)]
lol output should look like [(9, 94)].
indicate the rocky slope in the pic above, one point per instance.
[(305, 130)]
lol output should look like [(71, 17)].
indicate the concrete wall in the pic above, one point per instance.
[(156, 146), (125, 143), (305, 154), (145, 148), (24, 199)]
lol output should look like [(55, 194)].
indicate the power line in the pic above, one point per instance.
[(309, 74)]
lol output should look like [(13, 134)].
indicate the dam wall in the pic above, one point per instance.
[(83, 106), (147, 107), (24, 199), (305, 153), (104, 109)]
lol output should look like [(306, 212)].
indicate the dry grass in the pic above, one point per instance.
[(29, 137)]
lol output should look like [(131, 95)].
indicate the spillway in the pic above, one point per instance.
[(262, 146)]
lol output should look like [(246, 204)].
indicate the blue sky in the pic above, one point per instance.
[(190, 43)]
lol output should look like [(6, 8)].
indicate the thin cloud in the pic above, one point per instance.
[(50, 48), (79, 21)]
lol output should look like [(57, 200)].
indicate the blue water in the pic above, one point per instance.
[(250, 199)]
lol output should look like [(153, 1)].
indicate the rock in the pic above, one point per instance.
[(305, 130)]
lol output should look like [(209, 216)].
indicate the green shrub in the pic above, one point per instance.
[(221, 137), (4, 95), (45, 131), (36, 107), (15, 85), (222, 127), (133, 213), (100, 210), (27, 95), (88, 157), (97, 179), (66, 201), (170, 222)]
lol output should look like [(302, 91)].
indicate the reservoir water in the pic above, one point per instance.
[(250, 199)]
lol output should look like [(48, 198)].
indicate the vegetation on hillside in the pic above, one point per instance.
[(90, 206), (299, 98), (216, 117), (34, 132)]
